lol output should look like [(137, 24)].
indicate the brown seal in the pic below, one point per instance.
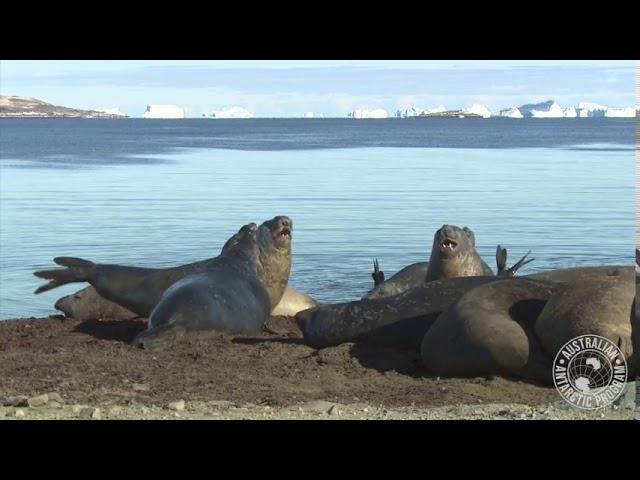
[(489, 331)]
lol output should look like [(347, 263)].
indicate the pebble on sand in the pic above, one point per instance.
[(38, 401), (177, 406)]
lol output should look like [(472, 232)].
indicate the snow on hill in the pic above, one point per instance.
[(115, 111), (362, 113), (231, 112), (16, 106)]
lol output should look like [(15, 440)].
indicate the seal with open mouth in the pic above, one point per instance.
[(139, 289), (454, 254), (227, 297)]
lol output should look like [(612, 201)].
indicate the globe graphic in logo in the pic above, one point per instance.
[(589, 371)]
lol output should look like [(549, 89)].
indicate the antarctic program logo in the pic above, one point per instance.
[(590, 372)]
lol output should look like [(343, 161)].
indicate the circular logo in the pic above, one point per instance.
[(590, 372)]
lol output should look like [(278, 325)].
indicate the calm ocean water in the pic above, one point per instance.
[(162, 193)]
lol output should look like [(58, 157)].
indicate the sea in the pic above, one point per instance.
[(160, 193)]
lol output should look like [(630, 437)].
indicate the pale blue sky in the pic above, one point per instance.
[(332, 87)]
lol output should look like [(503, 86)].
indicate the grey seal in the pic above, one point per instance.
[(139, 289), (227, 297)]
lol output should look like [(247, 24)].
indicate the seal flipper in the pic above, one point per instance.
[(78, 270), (501, 259), (520, 263), (377, 275), (159, 338)]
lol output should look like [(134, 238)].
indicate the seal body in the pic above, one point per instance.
[(398, 321), (407, 278), (489, 331), (595, 306), (88, 304), (227, 297), (293, 302), (140, 289), (576, 274), (454, 254)]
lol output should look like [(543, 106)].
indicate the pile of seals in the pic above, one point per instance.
[(464, 319)]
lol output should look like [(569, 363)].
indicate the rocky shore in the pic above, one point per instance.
[(56, 368)]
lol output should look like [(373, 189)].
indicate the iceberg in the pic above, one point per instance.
[(628, 112), (570, 112), (548, 109), (313, 115), (589, 110), (164, 111), (364, 113), (231, 112), (409, 112), (512, 112), (477, 109)]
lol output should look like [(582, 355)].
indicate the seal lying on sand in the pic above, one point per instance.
[(415, 274), (597, 306), (397, 321), (489, 331), (139, 289), (228, 297), (87, 304)]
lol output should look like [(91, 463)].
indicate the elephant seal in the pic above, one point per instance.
[(489, 331), (87, 304), (397, 321), (454, 254), (577, 274), (407, 278), (416, 274), (593, 306), (139, 289), (293, 302), (228, 297)]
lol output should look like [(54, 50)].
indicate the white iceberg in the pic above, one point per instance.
[(628, 112), (590, 110), (548, 109), (409, 112), (512, 112), (364, 113), (477, 109), (164, 111), (231, 112), (570, 112)]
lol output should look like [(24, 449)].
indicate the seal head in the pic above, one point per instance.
[(454, 254), (274, 242)]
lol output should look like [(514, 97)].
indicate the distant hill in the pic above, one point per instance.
[(34, 108)]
